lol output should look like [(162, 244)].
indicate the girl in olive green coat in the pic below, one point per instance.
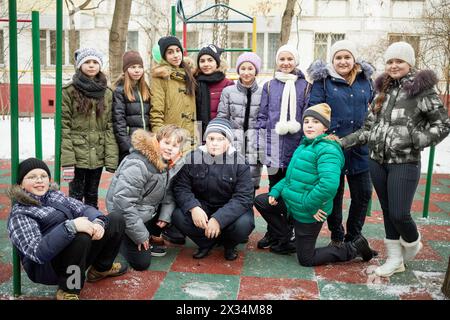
[(87, 142)]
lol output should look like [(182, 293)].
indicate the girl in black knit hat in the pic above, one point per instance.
[(59, 237)]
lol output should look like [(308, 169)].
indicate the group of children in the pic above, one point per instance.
[(188, 151)]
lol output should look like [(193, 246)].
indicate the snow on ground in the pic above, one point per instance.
[(27, 147)]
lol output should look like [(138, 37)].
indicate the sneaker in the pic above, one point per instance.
[(62, 295), (283, 248), (158, 251), (336, 243), (266, 241), (362, 247), (117, 269), (173, 235)]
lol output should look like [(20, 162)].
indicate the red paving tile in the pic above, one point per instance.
[(277, 289), (415, 294), (253, 240), (427, 252), (5, 210), (5, 272), (134, 285), (418, 207), (435, 233), (442, 197), (354, 271), (215, 263), (375, 217)]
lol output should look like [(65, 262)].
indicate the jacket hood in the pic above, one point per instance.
[(19, 195), (146, 143), (414, 83), (319, 69), (161, 71)]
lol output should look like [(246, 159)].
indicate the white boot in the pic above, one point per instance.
[(410, 249), (394, 261)]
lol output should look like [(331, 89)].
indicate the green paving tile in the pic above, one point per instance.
[(445, 206), (442, 247), (343, 291), (194, 286), (434, 218), (29, 288), (270, 265), (260, 225), (164, 263), (434, 189), (427, 265), (373, 230), (445, 182), (405, 278), (5, 250)]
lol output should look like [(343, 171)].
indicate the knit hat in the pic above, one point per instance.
[(400, 50), (251, 57), (166, 42), (321, 112), (131, 58), (344, 45), (292, 50), (213, 51), (220, 125), (84, 54), (30, 164)]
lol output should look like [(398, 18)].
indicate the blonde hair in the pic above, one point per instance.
[(173, 132), (127, 82), (351, 77)]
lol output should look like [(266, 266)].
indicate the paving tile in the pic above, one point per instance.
[(373, 230), (277, 289), (417, 294), (355, 271), (445, 206), (436, 233), (435, 218), (445, 182), (195, 286), (270, 265), (443, 248), (164, 263), (344, 291), (214, 263), (5, 272), (134, 285), (30, 290), (434, 189)]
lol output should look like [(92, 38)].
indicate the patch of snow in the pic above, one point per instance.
[(205, 290)]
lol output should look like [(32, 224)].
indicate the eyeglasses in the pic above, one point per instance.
[(36, 178)]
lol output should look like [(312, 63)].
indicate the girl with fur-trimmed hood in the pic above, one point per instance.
[(345, 85), (405, 117), (140, 191)]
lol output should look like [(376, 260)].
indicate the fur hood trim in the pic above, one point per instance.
[(161, 71), (414, 84), (19, 195), (146, 143), (319, 69)]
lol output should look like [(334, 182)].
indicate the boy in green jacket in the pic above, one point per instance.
[(307, 194)]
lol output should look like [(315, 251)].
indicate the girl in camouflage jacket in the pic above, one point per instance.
[(406, 116)]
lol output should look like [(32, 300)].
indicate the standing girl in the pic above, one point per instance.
[(345, 85), (240, 104), (131, 102), (282, 102), (210, 76), (87, 141), (406, 116)]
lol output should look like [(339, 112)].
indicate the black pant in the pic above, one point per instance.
[(278, 222), (275, 175), (308, 255), (396, 185), (83, 252), (230, 236), (139, 260), (360, 192), (85, 185)]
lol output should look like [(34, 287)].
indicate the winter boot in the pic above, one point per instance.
[(394, 261), (410, 249)]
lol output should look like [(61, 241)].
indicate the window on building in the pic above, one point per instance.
[(2, 47), (259, 43), (48, 47), (413, 40), (273, 44), (133, 40), (236, 41), (191, 43), (53, 48), (323, 43)]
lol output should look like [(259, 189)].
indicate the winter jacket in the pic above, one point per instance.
[(215, 90), (170, 102), (278, 149), (349, 105), (140, 185), (127, 117), (233, 105), (412, 117), (220, 185), (36, 227), (312, 179), (87, 142)]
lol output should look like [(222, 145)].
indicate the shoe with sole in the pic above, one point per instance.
[(201, 253), (230, 254), (283, 248), (266, 241), (116, 270), (362, 247), (157, 251), (63, 295)]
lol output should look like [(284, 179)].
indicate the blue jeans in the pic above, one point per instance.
[(360, 192)]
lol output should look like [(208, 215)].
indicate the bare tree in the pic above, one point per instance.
[(286, 21), (118, 36), (220, 30)]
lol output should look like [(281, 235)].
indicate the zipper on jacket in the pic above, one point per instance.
[(142, 110)]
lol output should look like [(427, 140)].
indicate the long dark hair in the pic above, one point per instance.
[(191, 83), (387, 81)]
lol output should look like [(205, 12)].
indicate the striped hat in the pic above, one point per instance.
[(220, 125)]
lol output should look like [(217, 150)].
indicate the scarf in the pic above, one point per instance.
[(203, 96), (289, 100), (91, 88)]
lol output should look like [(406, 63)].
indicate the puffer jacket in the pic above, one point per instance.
[(87, 142), (312, 179), (232, 106), (277, 150), (128, 116), (36, 227), (142, 184), (170, 102), (349, 105), (411, 118), (215, 90)]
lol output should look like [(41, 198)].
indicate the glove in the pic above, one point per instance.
[(68, 173)]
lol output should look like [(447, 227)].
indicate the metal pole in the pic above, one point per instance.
[(58, 88), (174, 20), (254, 35), (37, 85), (185, 39), (426, 201), (14, 93)]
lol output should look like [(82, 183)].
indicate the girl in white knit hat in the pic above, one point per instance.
[(278, 123)]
